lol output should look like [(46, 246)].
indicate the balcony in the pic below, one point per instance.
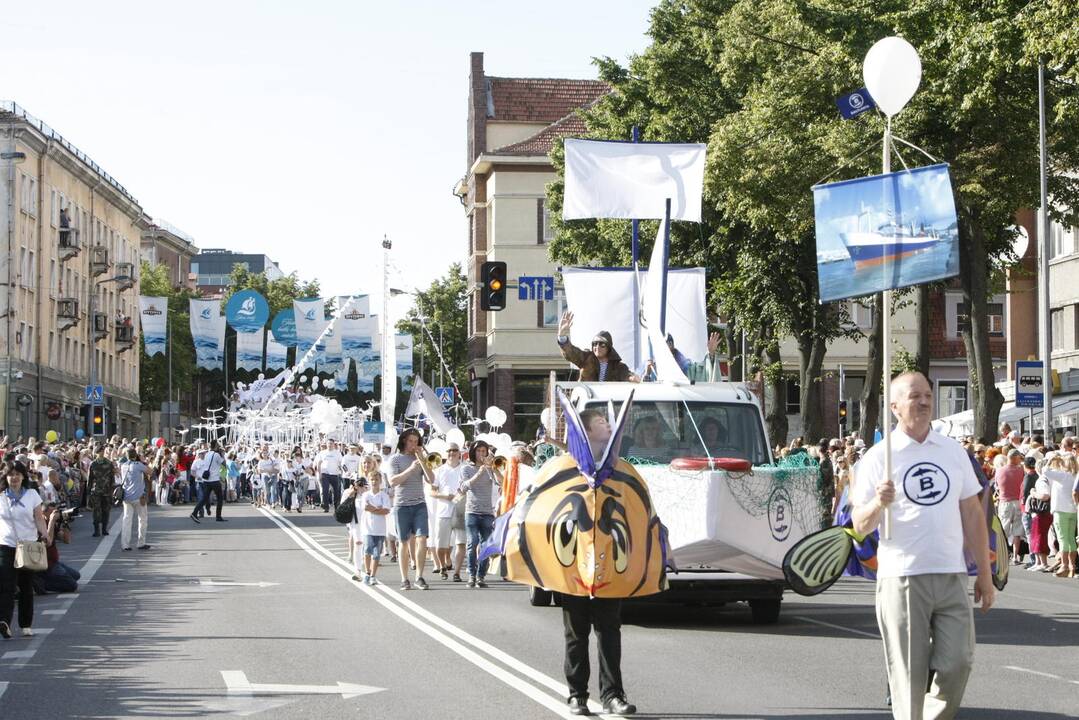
[(99, 260), (101, 326), (69, 242), (67, 313), (125, 275), (124, 332)]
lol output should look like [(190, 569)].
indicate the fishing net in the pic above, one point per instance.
[(796, 477)]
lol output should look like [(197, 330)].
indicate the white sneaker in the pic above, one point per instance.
[(1037, 567), (374, 580), (27, 632)]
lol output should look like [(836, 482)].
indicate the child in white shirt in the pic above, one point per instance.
[(375, 504)]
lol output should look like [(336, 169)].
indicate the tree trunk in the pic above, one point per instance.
[(811, 352), (973, 263), (873, 373), (735, 361), (921, 320), (776, 415)]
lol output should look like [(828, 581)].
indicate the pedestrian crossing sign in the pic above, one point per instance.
[(444, 395)]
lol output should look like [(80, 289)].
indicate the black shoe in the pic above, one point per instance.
[(481, 583), (105, 533), (406, 585), (325, 510), (221, 520), (144, 547), (578, 706), (618, 706), (421, 584), (456, 577), (96, 534), (126, 549), (193, 517)]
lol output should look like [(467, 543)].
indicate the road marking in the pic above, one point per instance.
[(555, 705), (13, 654), (503, 657), (60, 611), (814, 621), (236, 682), (3, 688), (262, 584), (1040, 673)]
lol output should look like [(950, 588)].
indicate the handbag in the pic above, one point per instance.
[(345, 512), (30, 555)]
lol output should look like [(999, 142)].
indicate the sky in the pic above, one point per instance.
[(302, 130)]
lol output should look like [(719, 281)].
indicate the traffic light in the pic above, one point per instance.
[(97, 420), (843, 416), (493, 285)]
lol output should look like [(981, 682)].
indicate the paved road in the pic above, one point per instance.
[(258, 617)]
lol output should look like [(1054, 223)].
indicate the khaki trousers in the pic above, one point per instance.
[(927, 624)]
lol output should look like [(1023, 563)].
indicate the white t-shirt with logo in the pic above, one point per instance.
[(351, 464), (329, 462), (930, 479), (370, 523)]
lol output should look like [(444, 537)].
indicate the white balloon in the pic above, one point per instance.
[(496, 416), (456, 436), (328, 382), (262, 376), (892, 72), (545, 419)]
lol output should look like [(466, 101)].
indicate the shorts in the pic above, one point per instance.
[(410, 520), (1011, 518), (441, 535), (372, 545), (458, 536), (1064, 522)]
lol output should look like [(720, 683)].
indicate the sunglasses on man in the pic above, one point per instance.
[(599, 343)]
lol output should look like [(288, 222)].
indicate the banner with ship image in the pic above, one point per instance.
[(885, 232)]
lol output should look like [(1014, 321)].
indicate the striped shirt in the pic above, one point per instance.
[(410, 492), (480, 484)]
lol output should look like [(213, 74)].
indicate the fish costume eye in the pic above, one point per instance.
[(565, 538)]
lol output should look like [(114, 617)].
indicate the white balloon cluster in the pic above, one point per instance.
[(495, 416), (328, 416)]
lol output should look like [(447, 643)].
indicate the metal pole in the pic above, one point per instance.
[(168, 341), (442, 352), (635, 250), (886, 354), (93, 358), (1044, 319), (666, 263)]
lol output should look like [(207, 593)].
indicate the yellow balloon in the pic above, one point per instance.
[(52, 436)]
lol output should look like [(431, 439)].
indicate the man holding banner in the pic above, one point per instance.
[(924, 615)]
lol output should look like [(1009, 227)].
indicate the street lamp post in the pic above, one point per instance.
[(11, 157)]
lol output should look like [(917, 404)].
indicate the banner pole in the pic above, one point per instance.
[(886, 354), (666, 264), (635, 248)]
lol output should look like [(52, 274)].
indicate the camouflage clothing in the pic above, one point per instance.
[(100, 485)]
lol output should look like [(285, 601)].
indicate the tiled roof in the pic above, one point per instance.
[(542, 142), (539, 100)]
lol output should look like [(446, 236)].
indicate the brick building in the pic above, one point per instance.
[(512, 125)]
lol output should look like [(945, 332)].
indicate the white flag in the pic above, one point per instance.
[(423, 401), (633, 180), (666, 366), (310, 321)]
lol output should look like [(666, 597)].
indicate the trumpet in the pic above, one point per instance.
[(434, 459), (499, 463)]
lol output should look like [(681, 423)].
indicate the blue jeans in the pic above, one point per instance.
[(479, 528), (271, 488), (331, 490), (61, 578)]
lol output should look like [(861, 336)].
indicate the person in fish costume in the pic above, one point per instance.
[(588, 530)]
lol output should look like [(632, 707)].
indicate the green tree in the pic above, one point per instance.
[(154, 371), (444, 307)]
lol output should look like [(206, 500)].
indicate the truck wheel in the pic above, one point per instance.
[(538, 597), (765, 612)]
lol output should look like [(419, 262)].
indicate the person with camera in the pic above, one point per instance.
[(59, 578), (100, 489), (21, 520), (135, 482)]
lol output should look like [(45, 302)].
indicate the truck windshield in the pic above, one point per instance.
[(660, 431)]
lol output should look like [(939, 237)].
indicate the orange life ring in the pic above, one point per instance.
[(719, 463)]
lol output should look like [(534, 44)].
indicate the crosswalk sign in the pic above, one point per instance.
[(94, 393), (444, 395)]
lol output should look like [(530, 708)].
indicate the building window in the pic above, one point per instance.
[(544, 229), (553, 309), (1061, 240), (996, 319), (794, 396), (951, 398), (1056, 320), (861, 314)]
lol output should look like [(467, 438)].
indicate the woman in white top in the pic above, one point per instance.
[(1060, 471), (21, 520), (267, 471)]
